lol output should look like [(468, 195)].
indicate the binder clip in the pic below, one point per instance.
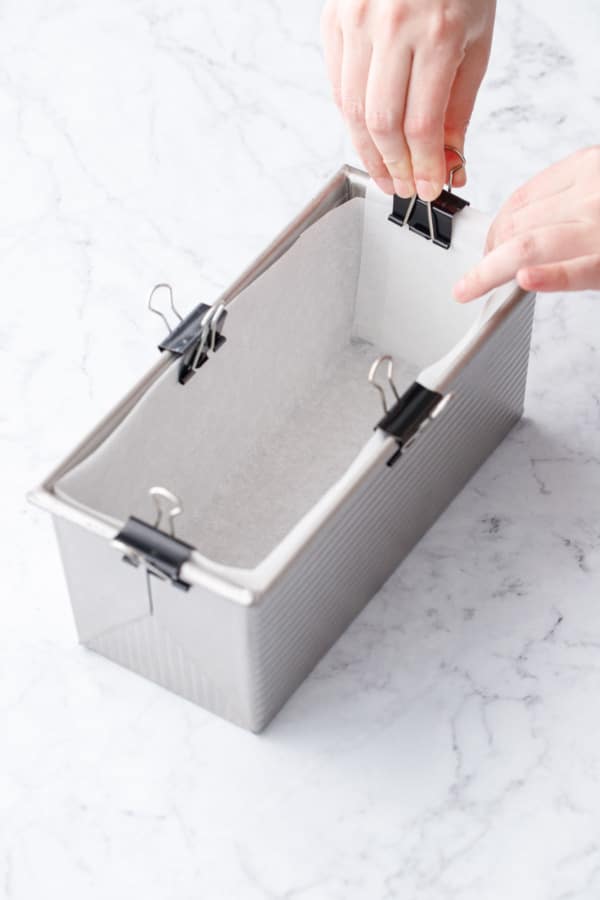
[(192, 337), (410, 413), (431, 219), (153, 547)]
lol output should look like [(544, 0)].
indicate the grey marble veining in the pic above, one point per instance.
[(449, 745)]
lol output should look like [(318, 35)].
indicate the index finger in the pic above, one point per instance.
[(547, 244)]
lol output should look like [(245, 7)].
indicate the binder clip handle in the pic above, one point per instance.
[(168, 506), (454, 169), (162, 286), (390, 380)]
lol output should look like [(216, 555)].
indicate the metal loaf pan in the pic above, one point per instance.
[(300, 495)]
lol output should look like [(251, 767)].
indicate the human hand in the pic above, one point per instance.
[(405, 74), (547, 234)]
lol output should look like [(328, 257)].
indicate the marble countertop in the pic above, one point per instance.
[(449, 745)]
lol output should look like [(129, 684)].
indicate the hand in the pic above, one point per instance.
[(405, 74), (547, 234)]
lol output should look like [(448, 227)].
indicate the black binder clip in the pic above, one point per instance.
[(410, 413), (154, 548), (193, 337), (431, 219)]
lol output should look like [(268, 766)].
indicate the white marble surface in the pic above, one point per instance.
[(449, 745)]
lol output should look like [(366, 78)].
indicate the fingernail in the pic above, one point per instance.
[(426, 190), (529, 279), (404, 188), (459, 290)]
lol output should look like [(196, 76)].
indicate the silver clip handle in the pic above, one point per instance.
[(389, 376), (168, 506), (158, 312)]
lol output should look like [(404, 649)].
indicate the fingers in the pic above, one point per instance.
[(347, 68), (546, 235), (553, 180), (392, 70), (462, 100), (543, 211), (385, 103), (431, 79), (397, 68), (356, 60), (579, 274), (548, 244)]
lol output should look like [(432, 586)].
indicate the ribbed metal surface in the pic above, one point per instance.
[(146, 648), (357, 551)]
